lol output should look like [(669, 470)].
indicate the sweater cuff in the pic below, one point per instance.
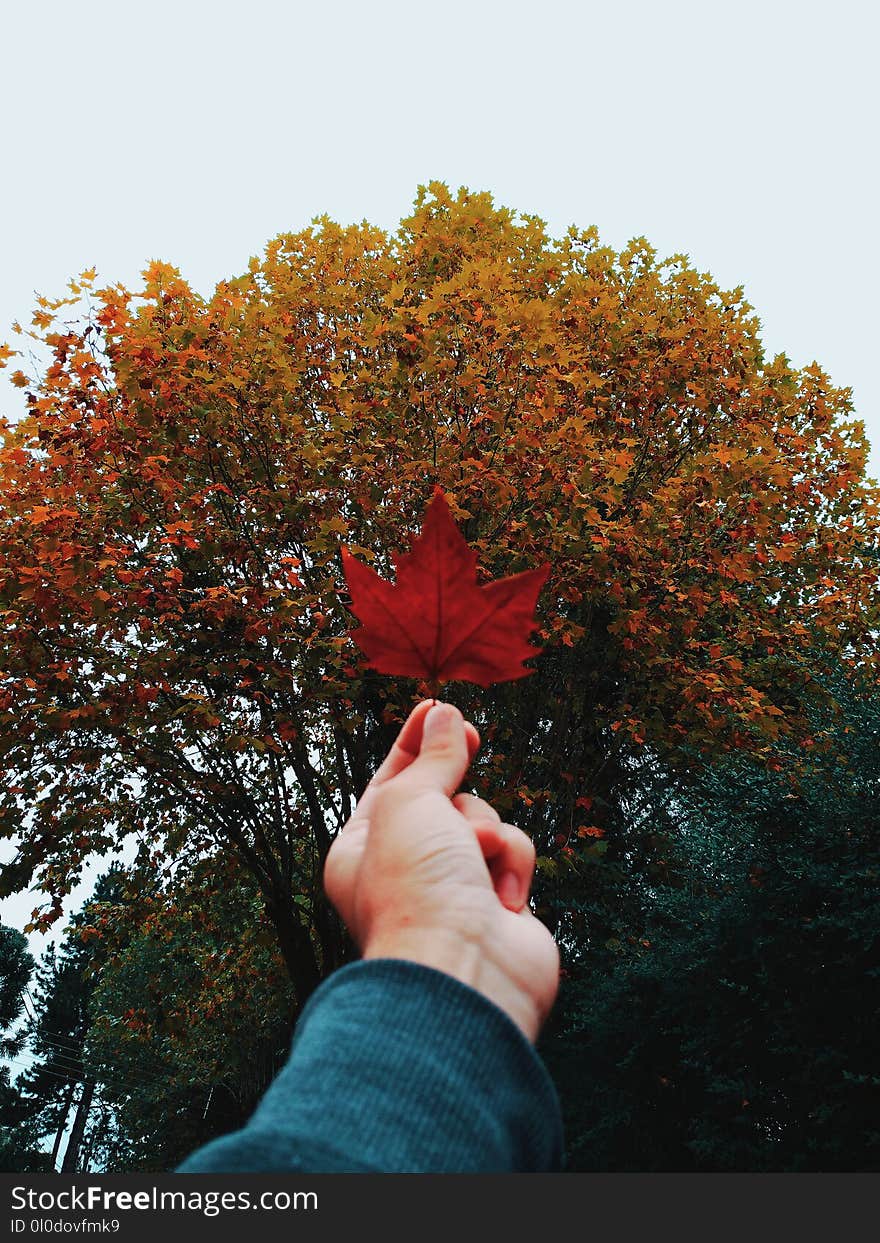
[(397, 1067)]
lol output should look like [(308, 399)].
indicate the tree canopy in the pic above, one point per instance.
[(176, 662)]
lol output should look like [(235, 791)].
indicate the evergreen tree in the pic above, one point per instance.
[(58, 1088), (18, 1133), (737, 1032)]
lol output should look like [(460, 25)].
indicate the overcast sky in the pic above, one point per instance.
[(743, 135)]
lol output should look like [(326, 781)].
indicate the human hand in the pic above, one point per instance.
[(425, 874)]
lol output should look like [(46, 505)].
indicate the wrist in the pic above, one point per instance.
[(465, 959)]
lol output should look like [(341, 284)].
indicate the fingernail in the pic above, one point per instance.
[(509, 893), (438, 720)]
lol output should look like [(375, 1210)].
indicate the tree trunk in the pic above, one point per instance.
[(99, 1128), (62, 1125), (336, 945), (296, 946), (79, 1126)]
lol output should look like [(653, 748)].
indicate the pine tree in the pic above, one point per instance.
[(18, 1133), (735, 1029)]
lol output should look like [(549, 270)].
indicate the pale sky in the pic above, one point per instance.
[(742, 135)]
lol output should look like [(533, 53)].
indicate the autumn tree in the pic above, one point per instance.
[(176, 659)]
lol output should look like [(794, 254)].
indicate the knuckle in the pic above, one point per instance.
[(383, 802), (475, 808), (523, 842)]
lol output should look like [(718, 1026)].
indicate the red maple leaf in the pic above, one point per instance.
[(436, 622)]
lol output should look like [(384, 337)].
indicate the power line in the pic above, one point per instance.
[(120, 1076), (65, 1078), (67, 1055), (59, 1037), (67, 1047), (144, 1078), (68, 1076), (60, 1053), (26, 1065), (96, 1098)]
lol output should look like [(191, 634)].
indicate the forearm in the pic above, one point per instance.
[(396, 1067)]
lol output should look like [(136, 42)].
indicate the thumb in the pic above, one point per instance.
[(443, 758)]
